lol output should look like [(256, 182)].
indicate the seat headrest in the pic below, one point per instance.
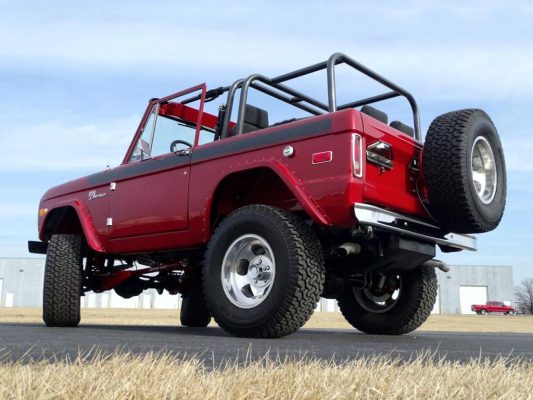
[(255, 116), (403, 128), (375, 113)]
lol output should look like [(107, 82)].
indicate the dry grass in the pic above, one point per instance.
[(155, 376), (150, 376), (450, 323)]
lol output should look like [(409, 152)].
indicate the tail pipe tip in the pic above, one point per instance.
[(438, 264), (348, 248)]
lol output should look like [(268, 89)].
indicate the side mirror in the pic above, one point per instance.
[(145, 147)]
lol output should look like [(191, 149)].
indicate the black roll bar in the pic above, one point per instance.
[(338, 58), (229, 106), (261, 78), (298, 97)]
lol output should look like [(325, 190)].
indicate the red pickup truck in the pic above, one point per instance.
[(251, 221), (492, 307)]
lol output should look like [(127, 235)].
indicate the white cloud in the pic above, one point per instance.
[(60, 145), (518, 154), (432, 58)]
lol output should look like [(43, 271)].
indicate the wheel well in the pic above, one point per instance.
[(254, 186), (62, 220)]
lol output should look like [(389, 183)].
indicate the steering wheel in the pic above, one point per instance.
[(176, 142)]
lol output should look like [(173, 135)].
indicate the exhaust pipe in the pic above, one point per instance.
[(348, 248), (438, 264)]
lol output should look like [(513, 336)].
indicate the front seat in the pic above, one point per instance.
[(255, 118)]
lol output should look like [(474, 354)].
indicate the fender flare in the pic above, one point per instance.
[(310, 207), (85, 220)]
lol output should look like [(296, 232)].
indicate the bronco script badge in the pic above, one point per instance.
[(93, 195)]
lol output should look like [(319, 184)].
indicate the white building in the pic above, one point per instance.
[(21, 281)]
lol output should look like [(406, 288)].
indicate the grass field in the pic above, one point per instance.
[(150, 376), (156, 376), (449, 323)]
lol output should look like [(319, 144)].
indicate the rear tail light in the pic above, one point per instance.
[(357, 155)]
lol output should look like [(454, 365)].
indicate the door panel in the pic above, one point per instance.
[(152, 202), (151, 189)]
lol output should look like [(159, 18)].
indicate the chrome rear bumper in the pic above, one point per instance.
[(390, 221)]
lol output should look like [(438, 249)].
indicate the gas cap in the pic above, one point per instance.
[(288, 151)]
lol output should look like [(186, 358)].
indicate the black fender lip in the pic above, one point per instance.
[(37, 247)]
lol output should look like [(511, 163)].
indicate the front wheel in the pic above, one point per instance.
[(62, 281), (264, 272), (483, 312), (392, 304)]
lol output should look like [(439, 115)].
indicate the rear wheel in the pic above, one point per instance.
[(264, 272), (510, 312), (464, 170), (393, 304), (194, 312), (62, 281)]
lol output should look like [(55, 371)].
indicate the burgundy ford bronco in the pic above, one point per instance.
[(253, 221)]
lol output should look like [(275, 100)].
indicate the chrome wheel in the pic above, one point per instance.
[(248, 271), (483, 166), (379, 298)]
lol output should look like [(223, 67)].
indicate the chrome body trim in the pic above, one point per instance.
[(387, 220)]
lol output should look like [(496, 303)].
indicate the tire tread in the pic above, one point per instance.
[(415, 313), (62, 281), (194, 312), (305, 286), (445, 163)]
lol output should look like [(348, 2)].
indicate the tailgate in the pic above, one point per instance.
[(392, 163)]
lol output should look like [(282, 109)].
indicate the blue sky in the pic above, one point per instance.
[(75, 78)]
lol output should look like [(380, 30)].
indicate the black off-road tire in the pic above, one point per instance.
[(62, 281), (299, 274), (447, 172), (194, 312), (413, 306)]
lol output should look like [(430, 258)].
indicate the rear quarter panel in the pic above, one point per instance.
[(330, 187)]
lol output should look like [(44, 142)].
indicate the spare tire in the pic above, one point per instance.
[(464, 171)]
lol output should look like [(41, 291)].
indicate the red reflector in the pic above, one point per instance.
[(322, 157)]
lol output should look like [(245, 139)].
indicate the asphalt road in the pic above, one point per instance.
[(25, 341)]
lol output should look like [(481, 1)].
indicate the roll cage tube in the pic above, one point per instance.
[(317, 106)]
